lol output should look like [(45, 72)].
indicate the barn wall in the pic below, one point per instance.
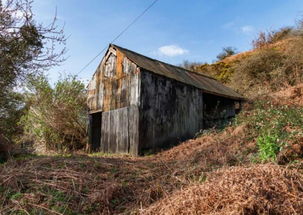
[(114, 91), (170, 111)]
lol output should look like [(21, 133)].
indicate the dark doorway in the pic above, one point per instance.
[(95, 130)]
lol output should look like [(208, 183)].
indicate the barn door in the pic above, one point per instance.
[(115, 131), (95, 130)]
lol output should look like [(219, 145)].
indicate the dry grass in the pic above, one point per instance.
[(82, 185), (289, 96), (259, 189), (192, 159)]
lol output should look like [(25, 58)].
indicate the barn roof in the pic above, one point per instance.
[(203, 82)]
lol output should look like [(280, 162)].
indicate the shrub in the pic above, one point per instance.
[(220, 70), (56, 118), (272, 37), (268, 147), (261, 71)]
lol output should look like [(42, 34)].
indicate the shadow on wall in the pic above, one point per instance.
[(218, 111)]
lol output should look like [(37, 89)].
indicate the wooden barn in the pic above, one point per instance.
[(137, 103)]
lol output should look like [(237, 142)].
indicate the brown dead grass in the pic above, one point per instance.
[(116, 184), (82, 185), (280, 45), (288, 96), (259, 189), (193, 158)]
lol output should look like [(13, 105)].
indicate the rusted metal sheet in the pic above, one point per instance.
[(115, 91)]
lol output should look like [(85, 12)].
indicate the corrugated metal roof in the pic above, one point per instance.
[(203, 82)]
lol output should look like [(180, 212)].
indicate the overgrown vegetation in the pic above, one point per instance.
[(26, 48), (56, 116)]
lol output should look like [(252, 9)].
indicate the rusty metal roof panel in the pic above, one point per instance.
[(203, 82)]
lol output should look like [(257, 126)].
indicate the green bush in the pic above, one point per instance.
[(56, 117), (268, 146)]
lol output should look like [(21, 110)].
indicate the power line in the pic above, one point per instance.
[(119, 35)]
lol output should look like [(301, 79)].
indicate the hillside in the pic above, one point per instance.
[(275, 62), (221, 172)]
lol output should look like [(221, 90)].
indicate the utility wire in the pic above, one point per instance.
[(119, 35)]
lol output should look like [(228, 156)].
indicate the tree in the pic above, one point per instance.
[(26, 48), (226, 52), (57, 116)]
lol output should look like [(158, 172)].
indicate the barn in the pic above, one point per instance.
[(137, 103)]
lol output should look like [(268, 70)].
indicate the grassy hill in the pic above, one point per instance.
[(274, 63)]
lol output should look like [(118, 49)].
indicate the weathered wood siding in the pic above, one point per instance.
[(115, 84), (170, 111), (114, 91)]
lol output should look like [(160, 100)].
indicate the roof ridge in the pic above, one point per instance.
[(119, 47)]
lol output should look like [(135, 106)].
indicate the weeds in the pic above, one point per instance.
[(274, 127), (268, 147)]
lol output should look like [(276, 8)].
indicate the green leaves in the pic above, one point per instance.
[(56, 118), (269, 147)]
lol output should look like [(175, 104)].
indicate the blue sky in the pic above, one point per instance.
[(171, 31)]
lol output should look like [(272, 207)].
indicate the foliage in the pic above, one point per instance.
[(222, 71), (274, 127), (275, 62), (56, 118), (268, 147), (260, 69), (26, 48), (10, 114), (226, 52)]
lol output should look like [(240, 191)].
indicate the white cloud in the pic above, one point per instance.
[(172, 50), (247, 29)]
